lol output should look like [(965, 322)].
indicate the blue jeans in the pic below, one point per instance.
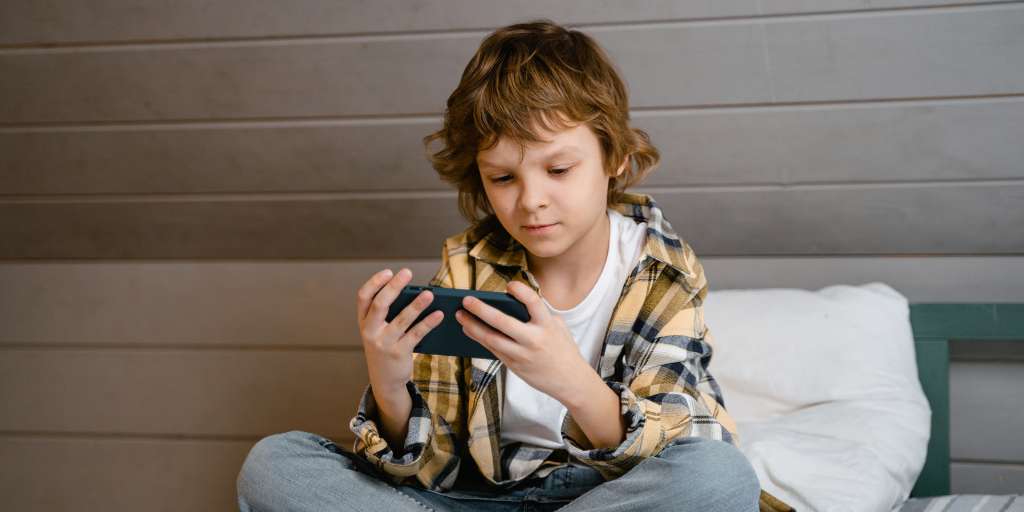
[(302, 471)]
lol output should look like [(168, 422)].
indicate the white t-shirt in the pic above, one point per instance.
[(533, 417)]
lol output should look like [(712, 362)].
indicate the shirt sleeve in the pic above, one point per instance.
[(436, 421), (671, 395)]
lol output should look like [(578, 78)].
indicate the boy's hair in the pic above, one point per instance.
[(536, 72)]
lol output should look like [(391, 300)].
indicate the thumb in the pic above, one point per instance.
[(534, 304)]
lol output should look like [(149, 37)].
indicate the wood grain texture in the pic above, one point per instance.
[(98, 473), (179, 392), (952, 218), (68, 22), (214, 305), (671, 65), (987, 478), (842, 144), (987, 421)]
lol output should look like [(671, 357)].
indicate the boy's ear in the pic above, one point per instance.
[(625, 162)]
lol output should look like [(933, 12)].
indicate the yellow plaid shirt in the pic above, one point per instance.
[(655, 357)]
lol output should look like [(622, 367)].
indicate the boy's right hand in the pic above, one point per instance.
[(389, 346)]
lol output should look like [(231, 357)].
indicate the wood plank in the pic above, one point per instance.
[(69, 22), (112, 474), (919, 278), (941, 140), (240, 157), (259, 80), (987, 422), (311, 304), (808, 60), (168, 392), (282, 228), (981, 478), (190, 304), (906, 54), (852, 219), (810, 6)]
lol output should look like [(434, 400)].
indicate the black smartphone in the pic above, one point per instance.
[(447, 338)]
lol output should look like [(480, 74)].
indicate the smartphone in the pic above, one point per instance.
[(447, 338)]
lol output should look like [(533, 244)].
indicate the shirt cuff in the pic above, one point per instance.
[(374, 448), (609, 461)]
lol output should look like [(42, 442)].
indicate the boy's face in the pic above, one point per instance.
[(536, 190)]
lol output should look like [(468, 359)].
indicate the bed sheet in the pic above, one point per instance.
[(965, 503)]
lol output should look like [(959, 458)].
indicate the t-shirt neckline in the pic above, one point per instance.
[(612, 236)]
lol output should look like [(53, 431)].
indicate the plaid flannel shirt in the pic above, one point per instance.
[(655, 357)]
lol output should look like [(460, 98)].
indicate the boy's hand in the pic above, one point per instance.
[(542, 351), (388, 346)]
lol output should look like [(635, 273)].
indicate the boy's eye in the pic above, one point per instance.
[(502, 179)]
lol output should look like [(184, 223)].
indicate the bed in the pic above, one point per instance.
[(841, 395), (934, 325)]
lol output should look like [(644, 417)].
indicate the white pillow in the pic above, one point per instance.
[(824, 388)]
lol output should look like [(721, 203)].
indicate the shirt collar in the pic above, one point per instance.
[(497, 247)]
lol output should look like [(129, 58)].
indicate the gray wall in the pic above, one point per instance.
[(190, 196)]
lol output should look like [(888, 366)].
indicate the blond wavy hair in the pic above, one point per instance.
[(536, 72)]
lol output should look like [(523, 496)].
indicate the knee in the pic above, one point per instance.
[(266, 455), (725, 472), (271, 456)]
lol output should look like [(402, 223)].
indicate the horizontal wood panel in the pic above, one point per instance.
[(393, 227), (738, 62), (919, 278), (799, 6), (226, 304), (115, 475), (981, 478), (853, 219), (987, 407), (299, 304), (902, 55), (265, 80), (330, 156), (180, 392), (68, 22), (956, 140)]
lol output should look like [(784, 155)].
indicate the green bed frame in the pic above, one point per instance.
[(935, 325)]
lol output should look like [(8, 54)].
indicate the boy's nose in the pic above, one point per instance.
[(531, 199)]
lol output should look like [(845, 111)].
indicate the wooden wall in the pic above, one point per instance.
[(192, 192)]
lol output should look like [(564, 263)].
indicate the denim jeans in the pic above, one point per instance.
[(302, 471)]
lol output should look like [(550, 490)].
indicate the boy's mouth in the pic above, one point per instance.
[(540, 228)]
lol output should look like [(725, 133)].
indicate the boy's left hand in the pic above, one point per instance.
[(542, 351)]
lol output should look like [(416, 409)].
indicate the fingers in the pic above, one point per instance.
[(525, 294), (369, 289), (499, 344), (413, 336), (494, 317), (378, 311), (404, 319)]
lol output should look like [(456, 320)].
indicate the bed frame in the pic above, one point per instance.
[(935, 325)]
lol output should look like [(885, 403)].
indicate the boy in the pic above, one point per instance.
[(603, 400)]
